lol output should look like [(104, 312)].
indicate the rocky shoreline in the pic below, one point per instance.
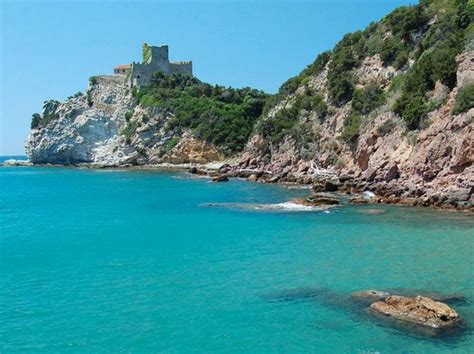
[(324, 189)]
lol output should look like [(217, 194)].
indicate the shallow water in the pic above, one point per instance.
[(135, 261)]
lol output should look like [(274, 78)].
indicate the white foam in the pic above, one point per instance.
[(286, 206)]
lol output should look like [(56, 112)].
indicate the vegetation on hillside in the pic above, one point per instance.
[(222, 116), (430, 35), (464, 99)]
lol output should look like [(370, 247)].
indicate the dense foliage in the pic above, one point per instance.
[(437, 52), (222, 116), (364, 101), (464, 99)]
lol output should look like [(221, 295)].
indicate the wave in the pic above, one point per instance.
[(283, 207)]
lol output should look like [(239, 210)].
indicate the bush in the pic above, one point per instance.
[(129, 130), (35, 120), (406, 19), (412, 109), (275, 128), (76, 95), (464, 99), (128, 115), (93, 80), (394, 52), (340, 80), (319, 106), (366, 100), (351, 128), (170, 144)]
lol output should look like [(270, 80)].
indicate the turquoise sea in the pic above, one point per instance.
[(138, 261)]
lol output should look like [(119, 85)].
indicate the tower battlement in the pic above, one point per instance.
[(154, 58)]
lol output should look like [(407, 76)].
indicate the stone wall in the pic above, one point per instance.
[(157, 61)]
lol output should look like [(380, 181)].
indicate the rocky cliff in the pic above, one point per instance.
[(105, 127), (388, 110)]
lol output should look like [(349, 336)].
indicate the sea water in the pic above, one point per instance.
[(148, 261)]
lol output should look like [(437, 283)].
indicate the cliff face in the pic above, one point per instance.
[(105, 127), (83, 129)]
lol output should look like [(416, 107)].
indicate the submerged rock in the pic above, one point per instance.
[(369, 295), (417, 315), (371, 211), (418, 310)]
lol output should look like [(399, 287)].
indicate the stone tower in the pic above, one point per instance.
[(155, 59)]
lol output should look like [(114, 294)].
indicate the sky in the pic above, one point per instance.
[(49, 49)]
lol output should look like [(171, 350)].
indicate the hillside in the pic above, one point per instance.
[(389, 109)]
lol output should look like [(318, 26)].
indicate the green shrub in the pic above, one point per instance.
[(464, 99), (275, 128), (170, 144), (76, 95), (351, 127), (412, 109), (129, 130), (128, 115), (366, 100), (405, 20), (319, 106), (340, 80), (394, 52), (35, 120), (93, 80)]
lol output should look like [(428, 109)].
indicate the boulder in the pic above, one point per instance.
[(392, 173), (225, 168), (417, 310), (253, 177), (317, 199), (358, 200), (370, 174), (220, 178)]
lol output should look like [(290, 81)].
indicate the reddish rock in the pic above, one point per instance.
[(418, 310)]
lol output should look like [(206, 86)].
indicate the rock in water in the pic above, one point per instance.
[(317, 200), (369, 296), (220, 178), (417, 310)]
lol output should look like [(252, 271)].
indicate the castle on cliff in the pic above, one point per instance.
[(154, 59)]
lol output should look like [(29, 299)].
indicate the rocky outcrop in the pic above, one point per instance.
[(105, 127), (84, 129), (192, 150), (418, 310)]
